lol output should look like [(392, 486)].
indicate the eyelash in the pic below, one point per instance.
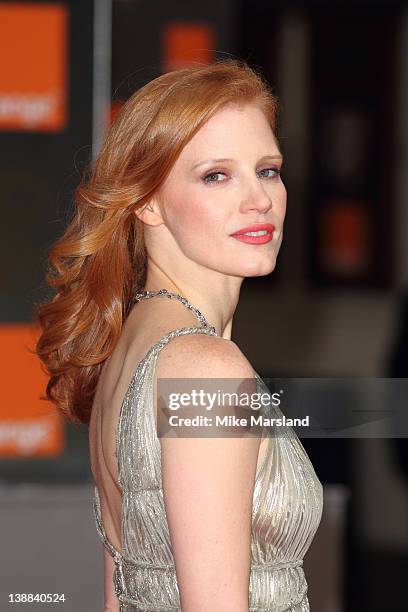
[(277, 170)]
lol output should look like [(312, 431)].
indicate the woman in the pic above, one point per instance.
[(148, 276)]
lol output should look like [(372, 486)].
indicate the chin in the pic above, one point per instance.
[(260, 269)]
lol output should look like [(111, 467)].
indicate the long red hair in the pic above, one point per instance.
[(99, 262)]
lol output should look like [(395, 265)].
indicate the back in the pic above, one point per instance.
[(286, 502), (148, 322)]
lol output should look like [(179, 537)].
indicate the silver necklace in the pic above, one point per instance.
[(180, 298)]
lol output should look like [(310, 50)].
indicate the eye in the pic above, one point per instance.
[(208, 177), (274, 169)]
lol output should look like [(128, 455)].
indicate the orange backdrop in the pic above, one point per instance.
[(28, 426), (33, 66)]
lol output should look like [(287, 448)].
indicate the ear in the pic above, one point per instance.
[(150, 213)]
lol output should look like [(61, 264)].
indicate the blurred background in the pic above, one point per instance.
[(336, 305)]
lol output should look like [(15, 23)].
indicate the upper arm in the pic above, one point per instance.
[(208, 488)]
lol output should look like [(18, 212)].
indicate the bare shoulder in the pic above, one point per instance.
[(202, 355)]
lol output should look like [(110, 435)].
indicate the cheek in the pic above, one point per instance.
[(195, 219), (282, 200)]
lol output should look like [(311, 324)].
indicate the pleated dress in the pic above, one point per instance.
[(286, 510)]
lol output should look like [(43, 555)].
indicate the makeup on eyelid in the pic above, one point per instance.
[(221, 160), (275, 169)]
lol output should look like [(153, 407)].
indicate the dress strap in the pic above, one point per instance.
[(118, 576), (180, 298), (99, 524)]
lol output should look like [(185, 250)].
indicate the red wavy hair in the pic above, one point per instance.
[(99, 262)]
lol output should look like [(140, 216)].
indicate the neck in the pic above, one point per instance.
[(218, 307)]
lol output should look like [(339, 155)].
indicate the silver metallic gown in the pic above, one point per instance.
[(287, 505)]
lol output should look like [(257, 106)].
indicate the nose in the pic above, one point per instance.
[(256, 199)]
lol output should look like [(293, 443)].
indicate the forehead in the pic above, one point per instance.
[(228, 132)]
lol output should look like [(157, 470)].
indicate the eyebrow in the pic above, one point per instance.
[(228, 159)]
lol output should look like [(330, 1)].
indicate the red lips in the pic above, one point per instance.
[(269, 227)]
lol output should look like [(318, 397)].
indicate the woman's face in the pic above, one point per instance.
[(204, 201)]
